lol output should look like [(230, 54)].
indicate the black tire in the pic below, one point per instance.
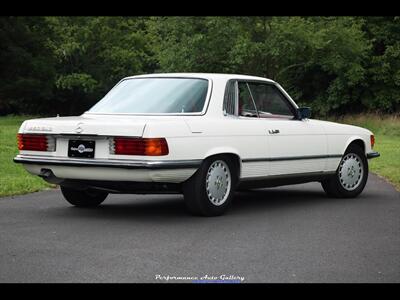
[(84, 198), (333, 186), (195, 189)]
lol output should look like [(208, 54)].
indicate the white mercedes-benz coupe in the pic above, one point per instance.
[(203, 135)]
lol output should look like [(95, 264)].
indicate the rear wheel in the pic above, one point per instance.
[(350, 177), (86, 198), (210, 190)]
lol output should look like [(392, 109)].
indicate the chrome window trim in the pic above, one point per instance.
[(236, 98)]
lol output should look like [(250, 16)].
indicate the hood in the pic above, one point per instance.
[(338, 128)]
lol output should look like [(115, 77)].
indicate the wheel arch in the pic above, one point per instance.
[(226, 151), (357, 140)]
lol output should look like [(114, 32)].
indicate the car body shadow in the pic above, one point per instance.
[(278, 198), (153, 207)]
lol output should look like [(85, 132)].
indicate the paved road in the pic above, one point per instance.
[(285, 234)]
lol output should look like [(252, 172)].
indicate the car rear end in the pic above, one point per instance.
[(101, 150)]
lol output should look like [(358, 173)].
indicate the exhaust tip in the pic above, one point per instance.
[(49, 176)]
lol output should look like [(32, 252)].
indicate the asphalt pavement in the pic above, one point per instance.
[(285, 234)]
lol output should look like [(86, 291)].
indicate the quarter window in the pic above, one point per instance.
[(230, 98)]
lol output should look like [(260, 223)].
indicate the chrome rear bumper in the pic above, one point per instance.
[(108, 163)]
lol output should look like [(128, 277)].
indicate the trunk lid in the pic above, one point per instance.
[(87, 125)]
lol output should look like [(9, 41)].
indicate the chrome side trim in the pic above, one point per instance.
[(291, 158), (373, 155), (288, 176), (109, 163)]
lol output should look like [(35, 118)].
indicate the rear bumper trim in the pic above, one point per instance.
[(373, 155), (109, 163)]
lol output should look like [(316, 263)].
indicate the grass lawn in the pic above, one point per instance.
[(388, 165), (387, 142), (15, 180)]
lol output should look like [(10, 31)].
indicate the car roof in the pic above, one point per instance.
[(203, 75)]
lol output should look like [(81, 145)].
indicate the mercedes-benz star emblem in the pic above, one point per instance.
[(81, 148)]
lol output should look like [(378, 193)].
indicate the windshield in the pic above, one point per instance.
[(155, 95)]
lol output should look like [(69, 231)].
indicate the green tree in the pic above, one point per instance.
[(333, 64), (382, 90), (319, 60), (26, 65), (93, 53), (192, 44)]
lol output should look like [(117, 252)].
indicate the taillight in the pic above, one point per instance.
[(372, 141), (36, 142), (139, 146)]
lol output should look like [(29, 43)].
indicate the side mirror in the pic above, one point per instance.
[(304, 113)]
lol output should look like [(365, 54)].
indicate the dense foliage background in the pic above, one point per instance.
[(64, 65)]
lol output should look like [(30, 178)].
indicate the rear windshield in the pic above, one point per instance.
[(155, 95)]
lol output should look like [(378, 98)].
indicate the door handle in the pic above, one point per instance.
[(273, 131)]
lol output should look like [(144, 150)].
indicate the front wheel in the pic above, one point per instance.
[(210, 190), (350, 177), (84, 198)]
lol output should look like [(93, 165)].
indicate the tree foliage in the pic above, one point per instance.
[(27, 70), (333, 64)]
